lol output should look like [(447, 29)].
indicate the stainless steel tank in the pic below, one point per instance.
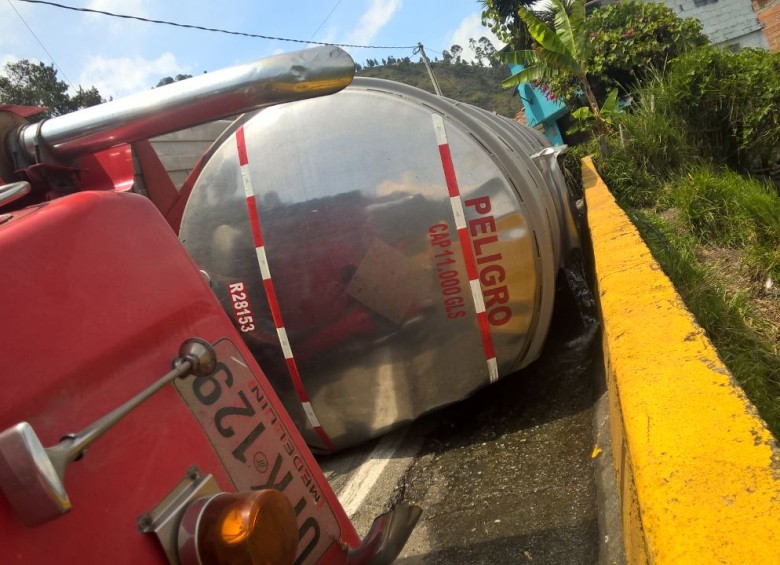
[(384, 251)]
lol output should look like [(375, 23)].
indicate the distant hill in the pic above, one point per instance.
[(480, 86)]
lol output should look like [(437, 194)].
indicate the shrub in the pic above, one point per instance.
[(722, 206), (731, 102), (629, 39)]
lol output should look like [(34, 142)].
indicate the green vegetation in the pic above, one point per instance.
[(731, 98), (629, 39), (473, 84), (34, 84), (625, 40), (676, 165), (560, 49), (746, 339)]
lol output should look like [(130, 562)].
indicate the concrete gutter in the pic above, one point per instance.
[(697, 470)]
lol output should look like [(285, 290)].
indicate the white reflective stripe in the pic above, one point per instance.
[(492, 369), (285, 343), (246, 181), (438, 125), (262, 260), (457, 210), (476, 294), (311, 415)]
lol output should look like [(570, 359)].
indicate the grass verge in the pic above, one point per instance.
[(714, 231), (739, 332)]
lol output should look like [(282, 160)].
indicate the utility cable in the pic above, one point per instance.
[(41, 44), (326, 19), (211, 29)]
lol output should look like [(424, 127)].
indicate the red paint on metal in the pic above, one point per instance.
[(292, 367), (273, 302), (22, 111), (324, 437), (468, 254), (241, 145), (254, 221), (176, 213), (159, 185), (111, 169), (466, 248), (449, 170), (484, 330), (107, 306), (270, 289)]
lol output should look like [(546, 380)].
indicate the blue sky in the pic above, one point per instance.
[(120, 57)]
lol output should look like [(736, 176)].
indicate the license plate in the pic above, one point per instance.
[(251, 434)]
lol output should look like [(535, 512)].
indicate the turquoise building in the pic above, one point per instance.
[(541, 111)]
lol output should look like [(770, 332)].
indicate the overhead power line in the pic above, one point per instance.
[(326, 18), (41, 44), (211, 29)]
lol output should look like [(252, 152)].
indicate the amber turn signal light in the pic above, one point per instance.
[(257, 528)]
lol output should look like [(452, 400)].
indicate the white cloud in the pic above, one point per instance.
[(13, 34), (129, 7), (5, 59), (373, 20), (471, 28), (125, 75), (117, 26)]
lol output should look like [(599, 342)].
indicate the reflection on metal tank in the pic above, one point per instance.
[(384, 251)]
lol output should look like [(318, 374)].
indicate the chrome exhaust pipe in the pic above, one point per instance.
[(282, 78)]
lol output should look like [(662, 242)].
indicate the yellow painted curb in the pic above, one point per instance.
[(697, 469)]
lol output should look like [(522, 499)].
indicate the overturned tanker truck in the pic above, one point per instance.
[(338, 262), (383, 251)]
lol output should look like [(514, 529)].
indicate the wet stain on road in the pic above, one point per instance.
[(506, 476)]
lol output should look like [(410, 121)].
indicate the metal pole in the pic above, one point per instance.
[(427, 64)]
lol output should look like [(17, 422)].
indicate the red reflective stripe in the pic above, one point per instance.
[(273, 302), (324, 437), (468, 252), (292, 367), (449, 170), (254, 220), (270, 290), (484, 330), (241, 144)]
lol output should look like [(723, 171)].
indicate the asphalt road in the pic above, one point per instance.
[(506, 476)]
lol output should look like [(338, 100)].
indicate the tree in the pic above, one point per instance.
[(631, 38), (627, 39), (501, 17), (35, 84), (85, 98), (563, 50), (170, 80), (455, 51), (489, 51)]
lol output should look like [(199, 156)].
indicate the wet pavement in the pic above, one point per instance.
[(505, 476)]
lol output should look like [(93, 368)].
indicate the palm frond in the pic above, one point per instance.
[(563, 26), (526, 58), (541, 33), (537, 72), (562, 61)]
